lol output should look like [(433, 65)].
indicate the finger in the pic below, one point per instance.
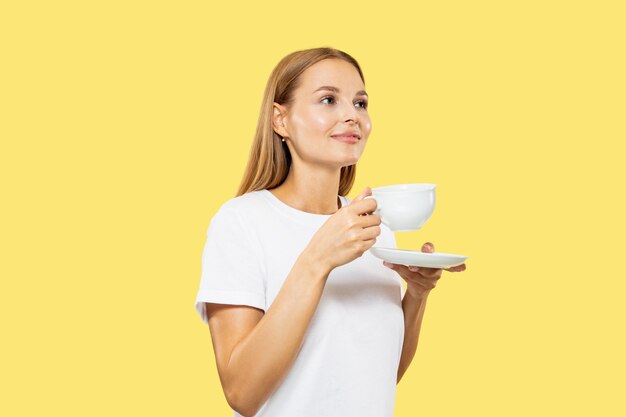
[(408, 274), (391, 265), (367, 191), (458, 268), (453, 269), (364, 203), (368, 221), (370, 243), (365, 207), (401, 269), (369, 233), (430, 273), (428, 247)]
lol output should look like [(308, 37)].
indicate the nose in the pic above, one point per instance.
[(349, 114)]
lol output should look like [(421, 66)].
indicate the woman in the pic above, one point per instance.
[(304, 321)]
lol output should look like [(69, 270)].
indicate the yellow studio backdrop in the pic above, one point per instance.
[(125, 125)]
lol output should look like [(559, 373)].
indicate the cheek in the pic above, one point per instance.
[(366, 125), (313, 122), (321, 122)]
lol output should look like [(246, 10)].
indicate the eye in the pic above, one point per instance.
[(363, 104), (331, 99)]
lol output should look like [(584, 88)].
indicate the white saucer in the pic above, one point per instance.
[(418, 258)]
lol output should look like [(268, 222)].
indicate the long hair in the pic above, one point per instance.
[(270, 159)]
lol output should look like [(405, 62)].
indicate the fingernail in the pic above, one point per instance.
[(413, 268)]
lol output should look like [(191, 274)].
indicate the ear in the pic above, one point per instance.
[(279, 120)]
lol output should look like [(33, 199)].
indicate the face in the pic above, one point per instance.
[(327, 122)]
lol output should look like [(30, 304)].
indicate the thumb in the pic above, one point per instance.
[(365, 193), (428, 247)]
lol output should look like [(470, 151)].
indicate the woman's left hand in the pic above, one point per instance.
[(421, 280)]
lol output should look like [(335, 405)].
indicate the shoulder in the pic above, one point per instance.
[(239, 208), (243, 202)]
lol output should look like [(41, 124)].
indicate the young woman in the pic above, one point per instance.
[(304, 321)]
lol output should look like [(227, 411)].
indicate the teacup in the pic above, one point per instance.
[(404, 207)]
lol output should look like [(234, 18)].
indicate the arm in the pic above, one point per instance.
[(413, 308), (254, 351), (252, 359), (420, 281)]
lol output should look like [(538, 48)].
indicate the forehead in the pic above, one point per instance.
[(332, 72)]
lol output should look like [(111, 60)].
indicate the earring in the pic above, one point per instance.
[(283, 139)]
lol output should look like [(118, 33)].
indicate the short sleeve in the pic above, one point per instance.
[(232, 271)]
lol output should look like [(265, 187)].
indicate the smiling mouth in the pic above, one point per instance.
[(346, 139)]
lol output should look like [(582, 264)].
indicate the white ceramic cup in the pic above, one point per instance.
[(404, 207)]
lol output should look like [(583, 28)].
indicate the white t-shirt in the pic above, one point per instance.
[(348, 363)]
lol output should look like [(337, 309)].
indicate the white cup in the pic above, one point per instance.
[(404, 207)]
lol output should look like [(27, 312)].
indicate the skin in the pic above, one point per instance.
[(307, 125), (420, 281), (253, 352)]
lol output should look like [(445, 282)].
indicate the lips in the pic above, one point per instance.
[(346, 139), (349, 137)]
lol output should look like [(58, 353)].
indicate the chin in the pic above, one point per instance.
[(344, 160), (350, 161)]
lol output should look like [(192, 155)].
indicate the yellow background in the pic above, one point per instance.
[(125, 125)]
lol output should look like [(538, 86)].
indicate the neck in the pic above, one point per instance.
[(311, 191)]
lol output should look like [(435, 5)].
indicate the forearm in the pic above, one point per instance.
[(261, 360), (413, 308)]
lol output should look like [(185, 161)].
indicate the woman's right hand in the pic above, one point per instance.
[(347, 234)]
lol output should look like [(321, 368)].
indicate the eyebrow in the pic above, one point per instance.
[(336, 90)]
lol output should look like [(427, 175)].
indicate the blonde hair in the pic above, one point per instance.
[(270, 159)]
